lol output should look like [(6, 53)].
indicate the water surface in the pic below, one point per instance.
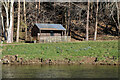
[(59, 71)]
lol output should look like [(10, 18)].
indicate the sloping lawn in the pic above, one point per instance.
[(60, 51)]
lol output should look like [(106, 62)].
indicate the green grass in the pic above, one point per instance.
[(60, 51)]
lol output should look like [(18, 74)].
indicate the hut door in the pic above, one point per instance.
[(51, 33)]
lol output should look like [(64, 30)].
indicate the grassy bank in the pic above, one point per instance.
[(60, 51)]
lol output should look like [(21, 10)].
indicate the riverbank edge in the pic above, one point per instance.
[(14, 60)]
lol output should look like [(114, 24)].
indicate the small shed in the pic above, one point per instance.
[(49, 32)]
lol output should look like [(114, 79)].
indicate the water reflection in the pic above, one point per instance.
[(59, 71)]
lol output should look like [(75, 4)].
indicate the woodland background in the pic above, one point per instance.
[(81, 19)]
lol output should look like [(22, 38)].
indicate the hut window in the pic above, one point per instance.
[(51, 33)]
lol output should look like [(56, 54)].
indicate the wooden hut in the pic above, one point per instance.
[(49, 33)]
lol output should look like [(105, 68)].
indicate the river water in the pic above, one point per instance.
[(59, 71)]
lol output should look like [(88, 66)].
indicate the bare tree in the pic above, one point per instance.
[(39, 7), (118, 14), (25, 20), (116, 20), (12, 30), (65, 20), (6, 6), (36, 11), (10, 37), (68, 33), (3, 26), (87, 25), (9, 26), (95, 34), (18, 24), (0, 20)]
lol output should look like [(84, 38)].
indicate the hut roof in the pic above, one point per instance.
[(50, 26)]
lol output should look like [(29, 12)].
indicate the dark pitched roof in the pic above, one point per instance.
[(50, 26)]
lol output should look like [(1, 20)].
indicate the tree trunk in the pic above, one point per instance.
[(95, 34), (68, 33), (18, 24), (54, 12), (6, 6), (118, 15), (39, 6), (3, 26), (65, 20), (87, 25), (36, 11), (25, 21), (12, 25), (7, 16), (10, 37), (0, 20)]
